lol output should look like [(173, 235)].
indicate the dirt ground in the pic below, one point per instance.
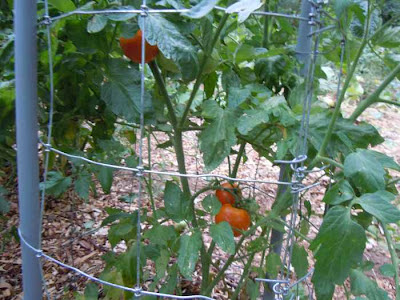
[(72, 234)]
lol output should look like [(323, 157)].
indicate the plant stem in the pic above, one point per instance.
[(199, 76), (374, 97), (265, 40), (346, 84), (161, 85), (329, 161), (150, 182), (396, 103), (244, 274), (395, 259), (238, 159)]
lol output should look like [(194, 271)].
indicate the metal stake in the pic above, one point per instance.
[(27, 146)]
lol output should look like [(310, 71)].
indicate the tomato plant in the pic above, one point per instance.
[(238, 218)]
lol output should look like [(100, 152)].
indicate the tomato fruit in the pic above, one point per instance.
[(238, 218), (132, 48), (227, 195)]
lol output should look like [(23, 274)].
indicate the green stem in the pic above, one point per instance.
[(329, 161), (244, 274), (346, 84), (205, 265), (396, 103), (238, 159), (164, 93), (395, 259), (113, 37), (265, 40), (150, 181), (199, 76), (374, 97)]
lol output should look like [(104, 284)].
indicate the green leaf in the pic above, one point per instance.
[(362, 285), (82, 184), (162, 263), (201, 9), (170, 285), (117, 214), (91, 291), (222, 235), (56, 183), (105, 176), (274, 110), (347, 136), (161, 235), (341, 6), (210, 83), (244, 8), (386, 161), (122, 92), (176, 206), (324, 289), (237, 95), (340, 243), (387, 270), (253, 289), (378, 204), (365, 171), (273, 264), (172, 44), (389, 38), (299, 260), (124, 230), (211, 204), (63, 5), (96, 23), (339, 193), (219, 136), (188, 253)]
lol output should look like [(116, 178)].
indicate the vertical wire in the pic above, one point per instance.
[(302, 148), (49, 134), (140, 174)]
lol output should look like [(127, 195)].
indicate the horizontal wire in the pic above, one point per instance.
[(322, 30), (267, 13), (136, 291), (138, 170), (156, 11)]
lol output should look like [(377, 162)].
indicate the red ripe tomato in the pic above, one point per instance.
[(132, 48), (227, 195), (238, 218)]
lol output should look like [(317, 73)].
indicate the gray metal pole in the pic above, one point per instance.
[(27, 145), (303, 39), (303, 46)]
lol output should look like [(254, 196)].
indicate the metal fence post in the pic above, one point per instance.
[(27, 146), (303, 47), (304, 40)]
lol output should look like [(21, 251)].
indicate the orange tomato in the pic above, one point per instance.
[(132, 48), (238, 218), (227, 195)]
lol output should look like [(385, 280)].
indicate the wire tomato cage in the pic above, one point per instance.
[(285, 283)]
